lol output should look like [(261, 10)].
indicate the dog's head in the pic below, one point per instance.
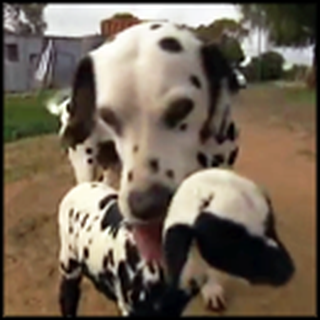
[(159, 91)]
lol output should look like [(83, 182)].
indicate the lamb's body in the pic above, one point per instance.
[(94, 242)]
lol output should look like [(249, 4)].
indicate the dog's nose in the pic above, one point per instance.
[(151, 203)]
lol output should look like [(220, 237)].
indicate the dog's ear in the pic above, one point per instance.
[(82, 104), (217, 69)]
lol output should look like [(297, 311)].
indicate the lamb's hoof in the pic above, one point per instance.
[(213, 295)]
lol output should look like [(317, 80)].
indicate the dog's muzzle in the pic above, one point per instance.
[(151, 203)]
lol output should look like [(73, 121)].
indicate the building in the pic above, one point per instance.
[(110, 27), (22, 54)]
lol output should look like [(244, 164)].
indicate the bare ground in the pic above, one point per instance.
[(278, 150)]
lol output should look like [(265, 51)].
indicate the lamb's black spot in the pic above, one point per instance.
[(195, 81), (170, 174), (228, 246), (202, 159), (217, 160), (231, 132), (89, 150), (170, 44), (71, 211), (111, 258), (132, 254), (112, 218), (90, 160), (84, 220), (154, 165), (85, 252), (130, 176), (155, 26), (124, 280), (183, 127), (232, 157), (68, 107), (106, 200), (206, 202)]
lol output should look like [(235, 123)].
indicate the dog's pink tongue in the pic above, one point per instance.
[(148, 240)]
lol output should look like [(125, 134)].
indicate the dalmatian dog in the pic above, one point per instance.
[(165, 98), (97, 150), (218, 224), (96, 243)]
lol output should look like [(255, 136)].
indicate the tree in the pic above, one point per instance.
[(290, 25), (228, 34), (266, 67), (25, 18)]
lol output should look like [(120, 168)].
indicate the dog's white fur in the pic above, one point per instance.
[(137, 81)]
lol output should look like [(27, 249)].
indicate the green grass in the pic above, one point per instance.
[(301, 95), (26, 116)]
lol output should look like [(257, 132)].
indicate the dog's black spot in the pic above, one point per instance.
[(112, 219), (135, 149), (105, 262), (228, 246), (71, 266), (77, 216), (195, 81), (155, 26), (221, 136), (111, 258), (177, 111), (132, 255), (111, 119), (217, 160), (124, 280), (270, 229), (231, 132), (71, 211), (89, 150), (90, 241), (106, 200), (154, 165), (170, 44), (90, 161), (202, 159), (68, 107), (130, 176), (100, 178), (84, 220), (183, 127), (70, 229), (94, 185), (85, 252), (170, 174), (107, 154), (151, 268), (137, 285), (232, 157)]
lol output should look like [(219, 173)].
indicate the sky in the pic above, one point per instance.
[(84, 19)]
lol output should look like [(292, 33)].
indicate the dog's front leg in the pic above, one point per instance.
[(69, 296)]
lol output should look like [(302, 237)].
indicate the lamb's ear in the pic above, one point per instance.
[(82, 104)]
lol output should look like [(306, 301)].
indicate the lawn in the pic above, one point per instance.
[(26, 116)]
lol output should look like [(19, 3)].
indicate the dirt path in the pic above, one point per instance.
[(283, 160)]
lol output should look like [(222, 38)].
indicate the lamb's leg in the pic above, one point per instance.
[(213, 293), (69, 296)]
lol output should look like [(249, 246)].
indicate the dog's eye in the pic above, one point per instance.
[(110, 118), (177, 111)]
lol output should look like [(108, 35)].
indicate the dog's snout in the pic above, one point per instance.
[(151, 203)]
